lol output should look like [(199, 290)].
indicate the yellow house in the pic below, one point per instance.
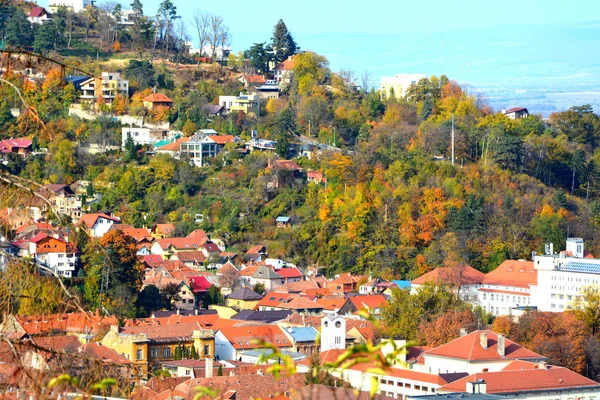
[(151, 344), (243, 299), (223, 311)]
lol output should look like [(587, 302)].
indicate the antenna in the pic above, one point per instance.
[(452, 138)]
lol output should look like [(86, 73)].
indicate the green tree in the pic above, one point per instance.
[(18, 32), (283, 43), (259, 57), (213, 296), (259, 288), (578, 166), (44, 38), (149, 300), (142, 71)]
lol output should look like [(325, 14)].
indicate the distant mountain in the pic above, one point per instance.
[(542, 67)]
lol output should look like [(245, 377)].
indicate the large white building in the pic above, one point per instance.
[(75, 5), (398, 84), (202, 146), (143, 136), (563, 277), (108, 86)]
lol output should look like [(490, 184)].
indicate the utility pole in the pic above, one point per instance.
[(453, 139)]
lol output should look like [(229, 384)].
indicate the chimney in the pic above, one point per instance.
[(463, 332), (483, 340), (501, 345), (208, 367), (177, 311), (477, 387), (196, 311)]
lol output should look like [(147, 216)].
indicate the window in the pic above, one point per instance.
[(206, 350), (338, 340), (139, 354), (167, 352), (153, 352)]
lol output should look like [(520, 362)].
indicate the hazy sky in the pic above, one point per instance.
[(385, 16)]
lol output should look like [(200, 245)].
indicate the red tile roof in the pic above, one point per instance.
[(179, 243), (37, 12), (332, 304), (469, 348), (246, 337), (175, 146), (103, 353), (272, 299), (289, 272), (158, 98), (222, 139), (468, 276), (198, 234), (256, 249), (206, 321), (191, 256), (169, 332), (299, 303), (535, 377), (287, 65), (512, 273), (515, 109), (90, 219), (199, 284), (368, 302), (255, 78)]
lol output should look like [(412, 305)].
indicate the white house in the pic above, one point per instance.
[(143, 136), (231, 341), (38, 15), (563, 277), (333, 333), (398, 84), (247, 103), (97, 224), (55, 253), (516, 113), (75, 5)]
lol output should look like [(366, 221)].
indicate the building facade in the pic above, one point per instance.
[(397, 85)]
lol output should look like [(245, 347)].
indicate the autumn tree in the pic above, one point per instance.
[(587, 308), (114, 274), (444, 328)]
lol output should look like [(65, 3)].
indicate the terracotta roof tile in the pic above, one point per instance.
[(512, 273), (468, 275), (158, 98), (248, 336)]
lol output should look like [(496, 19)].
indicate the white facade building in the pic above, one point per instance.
[(564, 277), (333, 333), (75, 5), (109, 85), (143, 136), (398, 84)]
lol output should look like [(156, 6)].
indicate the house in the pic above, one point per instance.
[(243, 299), (145, 345), (516, 113), (97, 224), (143, 136), (22, 146), (268, 356), (344, 283), (397, 85), (168, 247), (475, 352), (199, 286), (231, 341), (283, 222), (246, 103), (464, 279), (271, 300), (215, 110), (257, 253), (300, 305), (54, 253), (316, 177), (508, 288), (284, 71), (283, 172), (203, 145), (290, 274), (161, 231), (304, 339), (192, 259), (268, 277), (156, 100), (171, 149), (63, 200), (107, 86), (527, 380), (269, 90), (332, 305), (373, 304), (374, 286), (251, 81), (75, 5), (38, 15)]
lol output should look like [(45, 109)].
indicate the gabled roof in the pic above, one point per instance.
[(287, 65), (468, 276), (164, 333), (272, 299), (227, 268), (37, 12), (222, 139), (264, 272), (175, 146), (245, 294), (246, 337), (285, 165), (267, 317), (525, 378), (199, 284), (512, 273), (368, 302), (255, 78), (332, 304), (164, 229), (179, 243), (211, 247), (291, 272), (469, 348), (515, 109), (56, 187), (299, 303), (198, 234), (191, 256), (103, 354), (258, 249), (90, 219), (213, 108), (157, 98)]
